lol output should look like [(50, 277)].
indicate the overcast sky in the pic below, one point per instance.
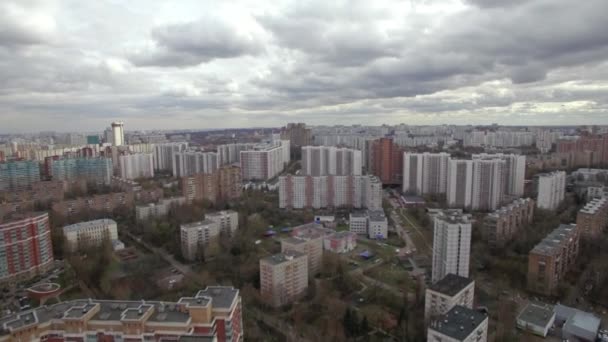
[(78, 65)]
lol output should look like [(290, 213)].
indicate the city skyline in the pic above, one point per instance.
[(240, 64)]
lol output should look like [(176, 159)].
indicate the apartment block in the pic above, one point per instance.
[(283, 277), (476, 184), (502, 225), (551, 189), (155, 210), (140, 165), (163, 154), (97, 203), (90, 233), (552, 258), (425, 173), (212, 314), (331, 160), (459, 183), (460, 324), (231, 153), (201, 186), (514, 173), (197, 235), (18, 175), (230, 187), (340, 242), (25, 247), (188, 163), (297, 134), (593, 218), (307, 240), (264, 161), (95, 170), (445, 294), (451, 244), (228, 220), (372, 223), (299, 192), (386, 161)]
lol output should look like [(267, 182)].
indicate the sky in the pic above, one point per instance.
[(76, 65)]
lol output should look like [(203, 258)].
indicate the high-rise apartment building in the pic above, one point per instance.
[(283, 277), (425, 173), (514, 171), (299, 192), (593, 218), (231, 153), (188, 163), (459, 183), (227, 220), (451, 244), (230, 186), (212, 314), (196, 236), (163, 154), (264, 161), (476, 184), (25, 247), (118, 133), (224, 185), (386, 161), (502, 225), (330, 160), (140, 165), (297, 134), (552, 258), (95, 170), (460, 324), (18, 175), (90, 233), (551, 189), (445, 294)]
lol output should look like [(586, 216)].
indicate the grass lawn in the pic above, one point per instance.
[(391, 274)]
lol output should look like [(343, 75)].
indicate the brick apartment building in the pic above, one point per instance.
[(552, 258), (387, 161), (97, 203), (502, 225), (213, 314), (593, 218), (224, 184)]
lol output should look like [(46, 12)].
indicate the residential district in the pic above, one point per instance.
[(299, 233)]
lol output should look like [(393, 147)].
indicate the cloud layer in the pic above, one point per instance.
[(162, 64)]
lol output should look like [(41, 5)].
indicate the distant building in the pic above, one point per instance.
[(425, 173), (228, 220), (476, 184), (98, 203), (372, 223), (551, 189), (213, 314), (340, 242), (297, 192), (118, 133), (450, 291), (18, 175), (297, 134), (140, 165), (514, 172), (196, 236), (188, 163), (90, 233), (283, 277), (460, 324), (552, 258), (231, 153), (264, 161), (163, 154), (26, 247), (502, 225), (230, 187), (536, 318), (386, 161), (93, 140), (155, 210), (224, 185), (330, 160), (451, 244), (95, 170), (593, 218), (310, 242)]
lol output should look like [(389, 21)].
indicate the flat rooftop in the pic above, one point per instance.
[(548, 245), (280, 258), (451, 284), (376, 215), (88, 224), (458, 323), (222, 297), (452, 216), (197, 224), (538, 314)]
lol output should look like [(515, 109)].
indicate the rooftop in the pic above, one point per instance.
[(204, 222), (280, 258), (452, 216), (593, 206), (451, 284), (548, 245), (538, 314), (376, 215), (88, 224), (220, 213), (222, 297), (458, 323)]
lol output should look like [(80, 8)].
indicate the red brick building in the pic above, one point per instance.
[(387, 161)]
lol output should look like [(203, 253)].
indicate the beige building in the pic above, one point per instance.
[(460, 324), (450, 291), (283, 277), (160, 209), (90, 233), (307, 240), (228, 220), (197, 234)]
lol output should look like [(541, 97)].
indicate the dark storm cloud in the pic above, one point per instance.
[(193, 43)]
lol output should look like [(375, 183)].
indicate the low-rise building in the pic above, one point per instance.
[(106, 203), (212, 314), (450, 291), (593, 218), (196, 236), (502, 225), (536, 318), (576, 325), (90, 233), (372, 223), (552, 258), (283, 277), (358, 222), (307, 240), (340, 242), (460, 324), (155, 210), (228, 220)]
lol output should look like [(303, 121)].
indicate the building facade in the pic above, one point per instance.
[(163, 154), (445, 294), (552, 258), (140, 165), (154, 210), (118, 133), (90, 233), (230, 187), (264, 161), (297, 134), (18, 175), (451, 245), (299, 192), (283, 277), (593, 218), (551, 190), (25, 247), (514, 172), (386, 161), (307, 240), (224, 185), (425, 173), (227, 220), (196, 236), (340, 242), (331, 160), (212, 314), (98, 203), (188, 163), (502, 225), (95, 170)]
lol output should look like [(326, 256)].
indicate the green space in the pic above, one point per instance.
[(392, 274)]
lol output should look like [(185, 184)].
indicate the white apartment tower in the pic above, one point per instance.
[(163, 154), (331, 160), (551, 188), (459, 184), (514, 173), (451, 244), (140, 165), (118, 133), (425, 173)]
